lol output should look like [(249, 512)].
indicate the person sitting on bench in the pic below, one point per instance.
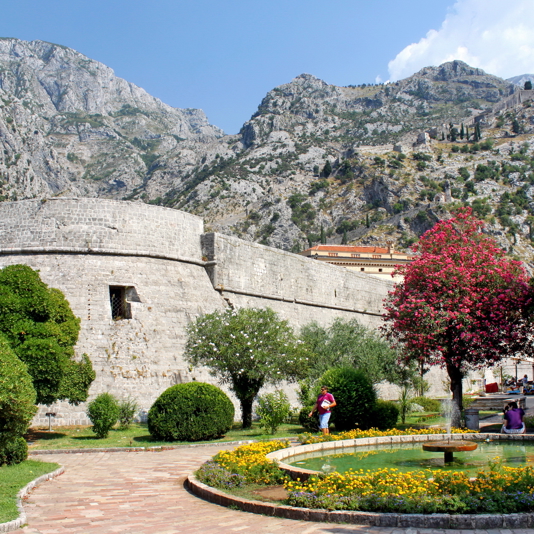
[(513, 420)]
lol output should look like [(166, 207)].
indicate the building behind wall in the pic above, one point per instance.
[(376, 261), (138, 274)]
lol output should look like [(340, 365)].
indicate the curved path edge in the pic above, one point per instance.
[(374, 519), (21, 519)]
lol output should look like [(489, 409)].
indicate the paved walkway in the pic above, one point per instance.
[(142, 493)]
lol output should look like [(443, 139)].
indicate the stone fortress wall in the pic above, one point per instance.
[(171, 273)]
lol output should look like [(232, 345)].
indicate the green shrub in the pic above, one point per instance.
[(127, 411), (355, 397), (273, 410), (103, 413), (429, 405), (14, 452), (17, 403), (311, 424), (385, 415), (191, 412), (467, 400)]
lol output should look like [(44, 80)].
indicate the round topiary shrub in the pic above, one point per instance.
[(17, 405), (191, 412), (103, 413), (355, 398), (385, 415), (14, 452)]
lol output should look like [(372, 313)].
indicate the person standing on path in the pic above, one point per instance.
[(325, 402)]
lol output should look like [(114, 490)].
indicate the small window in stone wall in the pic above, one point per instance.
[(120, 298)]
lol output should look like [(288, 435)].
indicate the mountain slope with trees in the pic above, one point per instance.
[(358, 164)]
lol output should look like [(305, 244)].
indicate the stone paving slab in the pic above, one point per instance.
[(143, 493)]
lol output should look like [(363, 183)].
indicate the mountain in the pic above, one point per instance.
[(362, 164), (68, 124), (520, 80)]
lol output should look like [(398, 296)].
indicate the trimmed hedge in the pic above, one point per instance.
[(103, 412), (14, 452), (385, 415), (355, 398), (191, 412), (311, 424), (17, 405), (429, 404)]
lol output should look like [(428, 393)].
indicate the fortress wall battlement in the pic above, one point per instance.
[(84, 247), (96, 225), (255, 270)]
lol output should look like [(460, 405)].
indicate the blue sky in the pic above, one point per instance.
[(223, 56)]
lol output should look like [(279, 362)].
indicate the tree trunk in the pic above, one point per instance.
[(246, 389), (246, 411), (456, 377)]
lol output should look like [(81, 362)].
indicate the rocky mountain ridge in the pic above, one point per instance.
[(315, 162)]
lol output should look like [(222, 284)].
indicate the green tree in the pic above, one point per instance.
[(247, 349), (477, 135), (40, 327), (327, 169), (528, 85), (350, 344)]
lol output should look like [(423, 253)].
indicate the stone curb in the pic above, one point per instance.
[(21, 520), (372, 519)]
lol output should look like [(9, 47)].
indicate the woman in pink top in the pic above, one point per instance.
[(325, 401)]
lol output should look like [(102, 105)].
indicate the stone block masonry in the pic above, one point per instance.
[(168, 273)]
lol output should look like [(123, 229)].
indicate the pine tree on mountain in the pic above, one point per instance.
[(477, 136), (528, 86), (327, 169)]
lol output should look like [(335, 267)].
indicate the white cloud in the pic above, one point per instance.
[(494, 35)]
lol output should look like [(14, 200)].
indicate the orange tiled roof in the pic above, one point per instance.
[(347, 248)]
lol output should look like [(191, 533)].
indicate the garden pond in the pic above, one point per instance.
[(410, 456)]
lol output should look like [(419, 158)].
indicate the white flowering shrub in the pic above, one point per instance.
[(247, 349)]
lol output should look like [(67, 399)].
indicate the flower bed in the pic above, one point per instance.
[(245, 464), (498, 489), (306, 438)]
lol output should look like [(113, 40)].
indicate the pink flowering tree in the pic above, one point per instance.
[(461, 304)]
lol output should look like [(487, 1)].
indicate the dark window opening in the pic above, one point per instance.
[(362, 269), (379, 270), (120, 298)]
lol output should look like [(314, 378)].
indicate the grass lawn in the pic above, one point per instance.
[(82, 437), (13, 478)]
